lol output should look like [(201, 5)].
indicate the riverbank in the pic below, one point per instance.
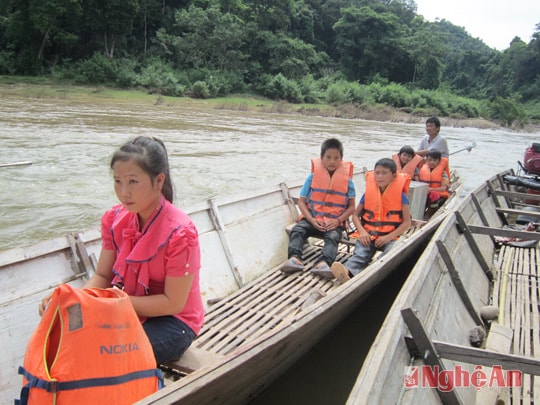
[(74, 93)]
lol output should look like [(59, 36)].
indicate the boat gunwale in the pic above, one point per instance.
[(373, 368), (333, 302)]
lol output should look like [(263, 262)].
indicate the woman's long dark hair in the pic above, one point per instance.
[(151, 156)]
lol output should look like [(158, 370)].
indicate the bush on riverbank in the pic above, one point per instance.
[(345, 100), (159, 77)]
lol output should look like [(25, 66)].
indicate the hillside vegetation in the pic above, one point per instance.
[(360, 53)]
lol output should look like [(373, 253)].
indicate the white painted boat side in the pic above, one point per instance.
[(241, 237)]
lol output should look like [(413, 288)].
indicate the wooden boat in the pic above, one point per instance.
[(259, 321), (437, 314)]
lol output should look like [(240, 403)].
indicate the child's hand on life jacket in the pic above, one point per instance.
[(364, 238), (44, 304)]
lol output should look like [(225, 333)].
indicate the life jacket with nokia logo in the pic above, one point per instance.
[(410, 167), (89, 348), (383, 212), (329, 198), (434, 177)]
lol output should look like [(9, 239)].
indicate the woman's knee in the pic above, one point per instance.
[(170, 338)]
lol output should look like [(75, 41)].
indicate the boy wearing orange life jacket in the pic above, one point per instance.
[(407, 161), (326, 200), (381, 217), (437, 174)]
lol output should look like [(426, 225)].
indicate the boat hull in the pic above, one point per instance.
[(446, 290), (243, 240), (246, 372)]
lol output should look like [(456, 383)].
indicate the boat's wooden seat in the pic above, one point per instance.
[(193, 359)]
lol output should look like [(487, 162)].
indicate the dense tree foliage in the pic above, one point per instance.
[(355, 51)]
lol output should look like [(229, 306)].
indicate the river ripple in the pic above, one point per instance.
[(212, 153)]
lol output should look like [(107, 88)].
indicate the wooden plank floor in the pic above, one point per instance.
[(262, 305), (270, 301), (516, 292)]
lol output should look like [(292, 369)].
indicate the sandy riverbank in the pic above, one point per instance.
[(239, 103)]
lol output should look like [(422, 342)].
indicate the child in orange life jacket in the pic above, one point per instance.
[(407, 161), (381, 216), (150, 249), (326, 200), (436, 173)]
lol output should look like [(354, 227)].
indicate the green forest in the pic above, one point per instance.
[(360, 52)]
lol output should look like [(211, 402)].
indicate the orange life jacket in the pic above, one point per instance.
[(383, 212), (434, 177), (89, 348), (410, 167), (329, 197)]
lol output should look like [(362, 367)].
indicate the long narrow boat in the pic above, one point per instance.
[(426, 351), (259, 321)]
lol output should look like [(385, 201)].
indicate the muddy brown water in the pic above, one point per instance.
[(212, 153)]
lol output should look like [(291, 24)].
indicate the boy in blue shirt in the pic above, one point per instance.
[(382, 215), (326, 201)]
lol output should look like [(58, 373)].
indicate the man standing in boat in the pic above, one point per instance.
[(381, 216), (433, 140), (326, 200)]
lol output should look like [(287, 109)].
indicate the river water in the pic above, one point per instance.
[(212, 153)]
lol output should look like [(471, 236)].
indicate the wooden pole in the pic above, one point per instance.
[(468, 148), (16, 164)]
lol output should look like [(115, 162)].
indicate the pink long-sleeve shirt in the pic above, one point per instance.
[(168, 246)]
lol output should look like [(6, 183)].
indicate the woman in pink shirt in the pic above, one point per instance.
[(150, 249)]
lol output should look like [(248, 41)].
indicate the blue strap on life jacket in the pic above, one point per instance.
[(329, 191), (55, 386)]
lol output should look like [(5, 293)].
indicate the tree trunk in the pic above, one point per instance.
[(145, 32), (111, 47), (106, 43), (43, 41), (109, 44)]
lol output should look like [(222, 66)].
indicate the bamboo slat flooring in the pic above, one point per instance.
[(263, 305), (516, 292), (268, 302)]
